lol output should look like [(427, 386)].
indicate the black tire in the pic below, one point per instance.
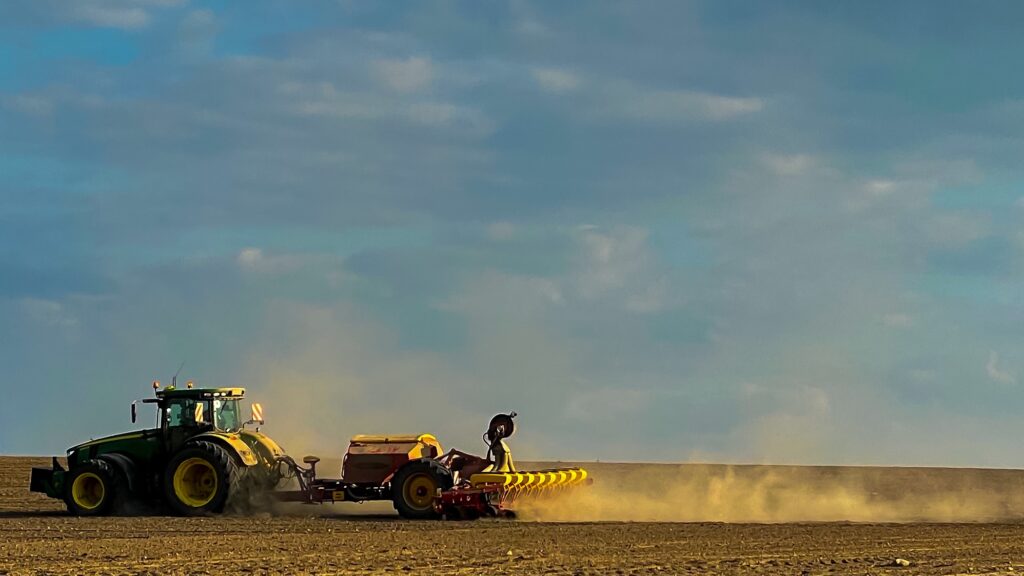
[(414, 486), (200, 478), (127, 501), (92, 488)]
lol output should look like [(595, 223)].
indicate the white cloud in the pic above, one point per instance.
[(610, 259), (876, 193), (433, 113), (48, 313), (324, 99), (788, 165), (326, 267), (31, 105), (128, 18), (722, 107), (555, 80), (995, 372), (197, 31), (617, 266), (124, 14), (249, 257), (880, 187), (532, 28), (679, 105), (956, 229), (254, 260), (408, 75)]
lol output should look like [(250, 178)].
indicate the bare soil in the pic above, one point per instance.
[(36, 537)]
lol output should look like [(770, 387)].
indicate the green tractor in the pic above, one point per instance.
[(200, 457)]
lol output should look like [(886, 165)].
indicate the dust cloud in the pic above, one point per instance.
[(326, 373), (777, 494)]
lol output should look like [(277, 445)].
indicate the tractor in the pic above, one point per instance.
[(200, 456)]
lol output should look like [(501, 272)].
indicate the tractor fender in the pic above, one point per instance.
[(232, 443), (122, 464), (264, 447)]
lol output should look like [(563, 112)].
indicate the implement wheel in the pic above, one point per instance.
[(199, 479), (91, 488), (415, 485)]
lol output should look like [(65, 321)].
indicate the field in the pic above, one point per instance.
[(36, 538)]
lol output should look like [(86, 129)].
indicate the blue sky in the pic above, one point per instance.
[(659, 231)]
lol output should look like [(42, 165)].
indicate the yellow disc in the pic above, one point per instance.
[(419, 490), (195, 482), (88, 490)]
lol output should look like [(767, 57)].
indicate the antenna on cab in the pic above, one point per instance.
[(174, 379)]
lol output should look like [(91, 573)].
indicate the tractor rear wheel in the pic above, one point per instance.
[(416, 484), (90, 489), (200, 478)]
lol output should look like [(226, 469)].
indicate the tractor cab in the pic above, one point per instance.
[(187, 412)]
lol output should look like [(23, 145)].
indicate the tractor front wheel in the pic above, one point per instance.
[(416, 484), (199, 479), (91, 488)]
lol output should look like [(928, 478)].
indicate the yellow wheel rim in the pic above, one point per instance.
[(195, 482), (88, 490), (419, 491)]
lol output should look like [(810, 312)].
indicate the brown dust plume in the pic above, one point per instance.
[(775, 494)]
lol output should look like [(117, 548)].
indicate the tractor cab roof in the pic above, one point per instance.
[(172, 392)]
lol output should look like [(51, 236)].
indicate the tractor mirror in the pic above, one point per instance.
[(199, 412), (257, 413), (134, 413)]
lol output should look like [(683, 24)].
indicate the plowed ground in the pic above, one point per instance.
[(37, 538)]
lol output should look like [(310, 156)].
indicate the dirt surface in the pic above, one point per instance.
[(37, 538)]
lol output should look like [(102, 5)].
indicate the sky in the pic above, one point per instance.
[(659, 231)]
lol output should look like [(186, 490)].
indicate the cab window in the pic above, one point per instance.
[(226, 415), (181, 412)]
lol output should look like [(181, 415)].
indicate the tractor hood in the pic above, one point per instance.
[(140, 445), (127, 436)]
